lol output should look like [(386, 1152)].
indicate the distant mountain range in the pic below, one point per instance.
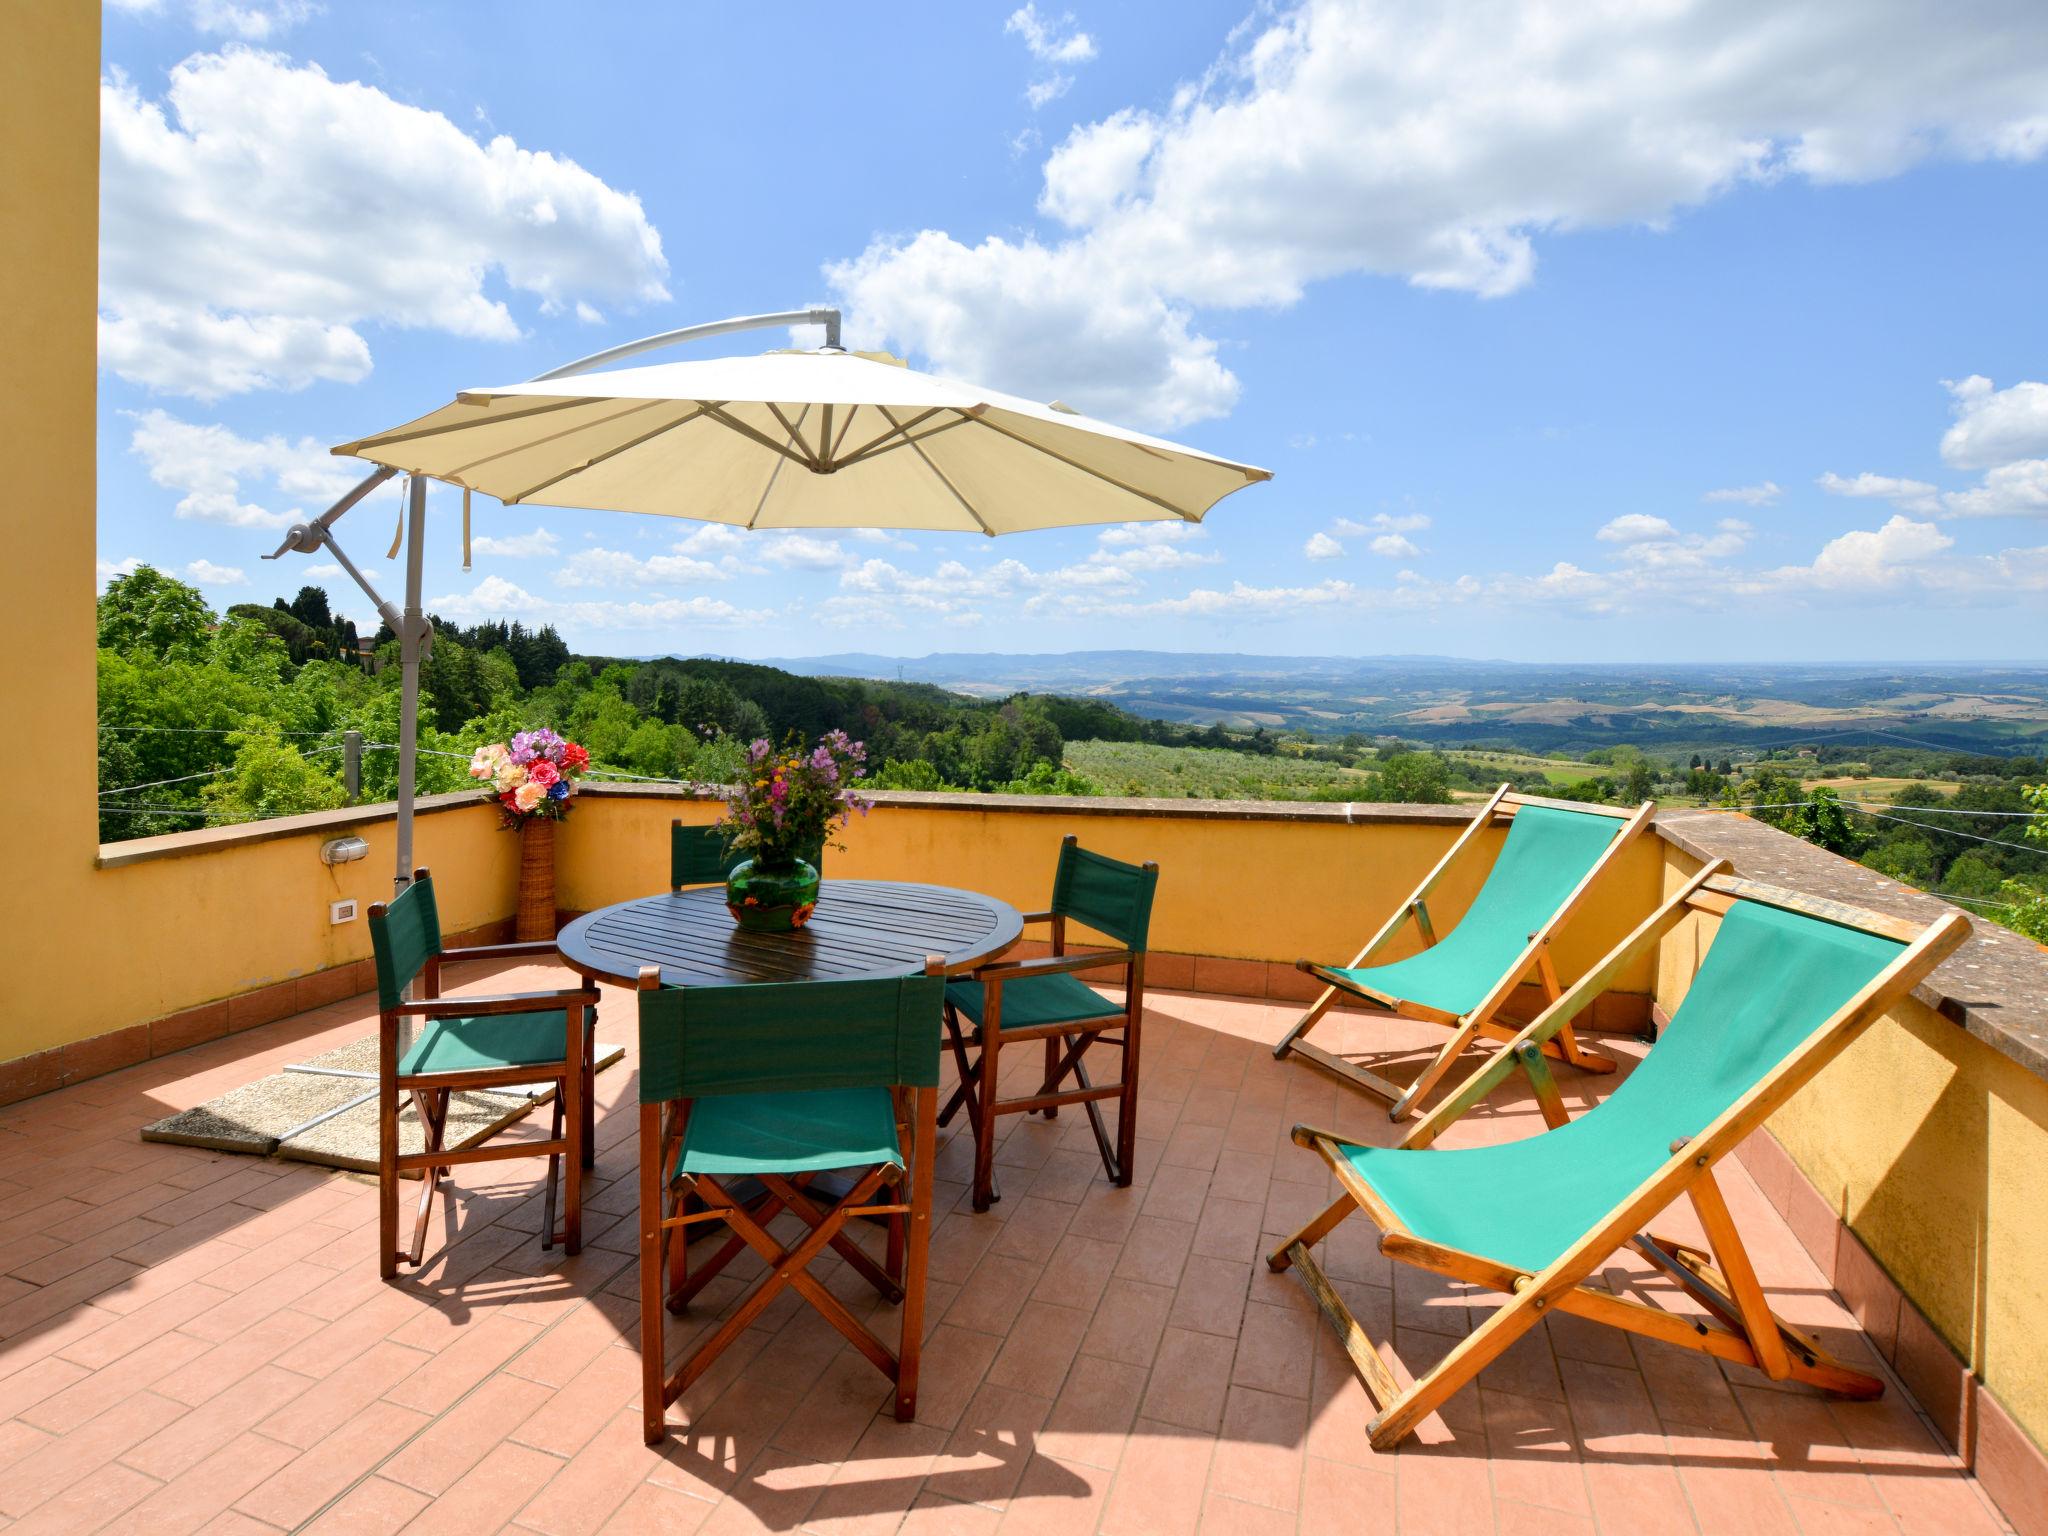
[(1987, 706)]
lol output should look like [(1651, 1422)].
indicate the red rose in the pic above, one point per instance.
[(574, 756)]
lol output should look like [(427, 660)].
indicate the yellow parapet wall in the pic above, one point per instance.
[(1929, 1147), (1266, 883)]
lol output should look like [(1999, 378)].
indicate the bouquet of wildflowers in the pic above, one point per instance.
[(533, 775), (784, 803)]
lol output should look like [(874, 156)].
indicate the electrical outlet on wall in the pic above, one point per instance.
[(342, 911)]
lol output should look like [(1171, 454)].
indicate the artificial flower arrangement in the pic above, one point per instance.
[(781, 808), (532, 776)]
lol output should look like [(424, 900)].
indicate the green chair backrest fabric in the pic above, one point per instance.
[(698, 856), (1547, 853), (1106, 894), (1770, 979), (790, 1037), (404, 938)]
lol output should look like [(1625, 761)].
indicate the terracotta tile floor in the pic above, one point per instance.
[(192, 1341)]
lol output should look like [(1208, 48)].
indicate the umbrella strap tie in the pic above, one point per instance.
[(398, 533)]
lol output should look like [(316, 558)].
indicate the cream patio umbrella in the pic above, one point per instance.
[(785, 439)]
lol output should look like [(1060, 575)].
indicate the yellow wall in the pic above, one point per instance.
[(49, 263), (1254, 889), (1931, 1146)]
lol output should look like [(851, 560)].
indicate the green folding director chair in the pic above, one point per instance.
[(778, 1083), (464, 1042), (1045, 999), (1555, 854), (1787, 983)]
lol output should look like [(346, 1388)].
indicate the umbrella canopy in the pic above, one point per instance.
[(791, 439)]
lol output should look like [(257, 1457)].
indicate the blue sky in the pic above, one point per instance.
[(1716, 333)]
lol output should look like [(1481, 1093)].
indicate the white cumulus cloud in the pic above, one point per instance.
[(515, 546), (261, 212), (496, 598), (209, 464), (216, 575), (1995, 426), (1911, 495), (1759, 495), (1635, 528), (1870, 559), (1322, 547), (1436, 142)]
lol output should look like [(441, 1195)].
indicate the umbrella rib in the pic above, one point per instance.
[(846, 426), (1129, 490), (609, 453), (725, 419), (540, 442), (869, 446), (775, 471), (384, 438), (948, 484), (795, 436)]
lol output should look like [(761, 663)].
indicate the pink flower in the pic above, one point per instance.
[(543, 773), (529, 794)]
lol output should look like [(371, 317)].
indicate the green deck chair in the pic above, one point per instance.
[(470, 1041), (697, 855), (778, 1083), (1045, 999), (1555, 853), (1787, 983)]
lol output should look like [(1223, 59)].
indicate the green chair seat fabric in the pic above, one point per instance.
[(1547, 853), (741, 1133), (489, 1040), (1770, 978), (1033, 1000)]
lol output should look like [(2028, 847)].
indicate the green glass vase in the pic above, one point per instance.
[(772, 895)]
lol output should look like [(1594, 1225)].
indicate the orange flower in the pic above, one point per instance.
[(801, 915)]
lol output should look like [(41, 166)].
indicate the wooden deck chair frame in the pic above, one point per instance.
[(1739, 1325), (1066, 1044), (567, 1143), (1484, 1019), (669, 1207)]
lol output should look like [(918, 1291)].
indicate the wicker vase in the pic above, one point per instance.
[(536, 919)]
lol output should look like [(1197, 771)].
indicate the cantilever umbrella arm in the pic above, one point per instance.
[(409, 623)]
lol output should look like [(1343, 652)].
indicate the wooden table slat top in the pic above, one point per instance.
[(860, 928)]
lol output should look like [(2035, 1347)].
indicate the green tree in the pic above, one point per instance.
[(150, 613), (1411, 778), (270, 777), (1824, 821)]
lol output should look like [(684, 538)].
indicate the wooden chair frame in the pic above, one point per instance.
[(667, 1281), (977, 1089), (1739, 1325), (568, 1140), (1485, 1018)]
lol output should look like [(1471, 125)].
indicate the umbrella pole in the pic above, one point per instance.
[(410, 642)]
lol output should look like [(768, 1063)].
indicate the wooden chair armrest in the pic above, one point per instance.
[(533, 948), (1039, 917), (481, 1004), (1000, 971)]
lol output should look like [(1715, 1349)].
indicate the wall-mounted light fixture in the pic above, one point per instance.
[(343, 850)]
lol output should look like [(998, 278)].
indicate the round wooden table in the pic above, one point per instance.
[(860, 928)]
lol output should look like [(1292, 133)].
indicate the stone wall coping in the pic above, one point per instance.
[(335, 823), (1995, 986)]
